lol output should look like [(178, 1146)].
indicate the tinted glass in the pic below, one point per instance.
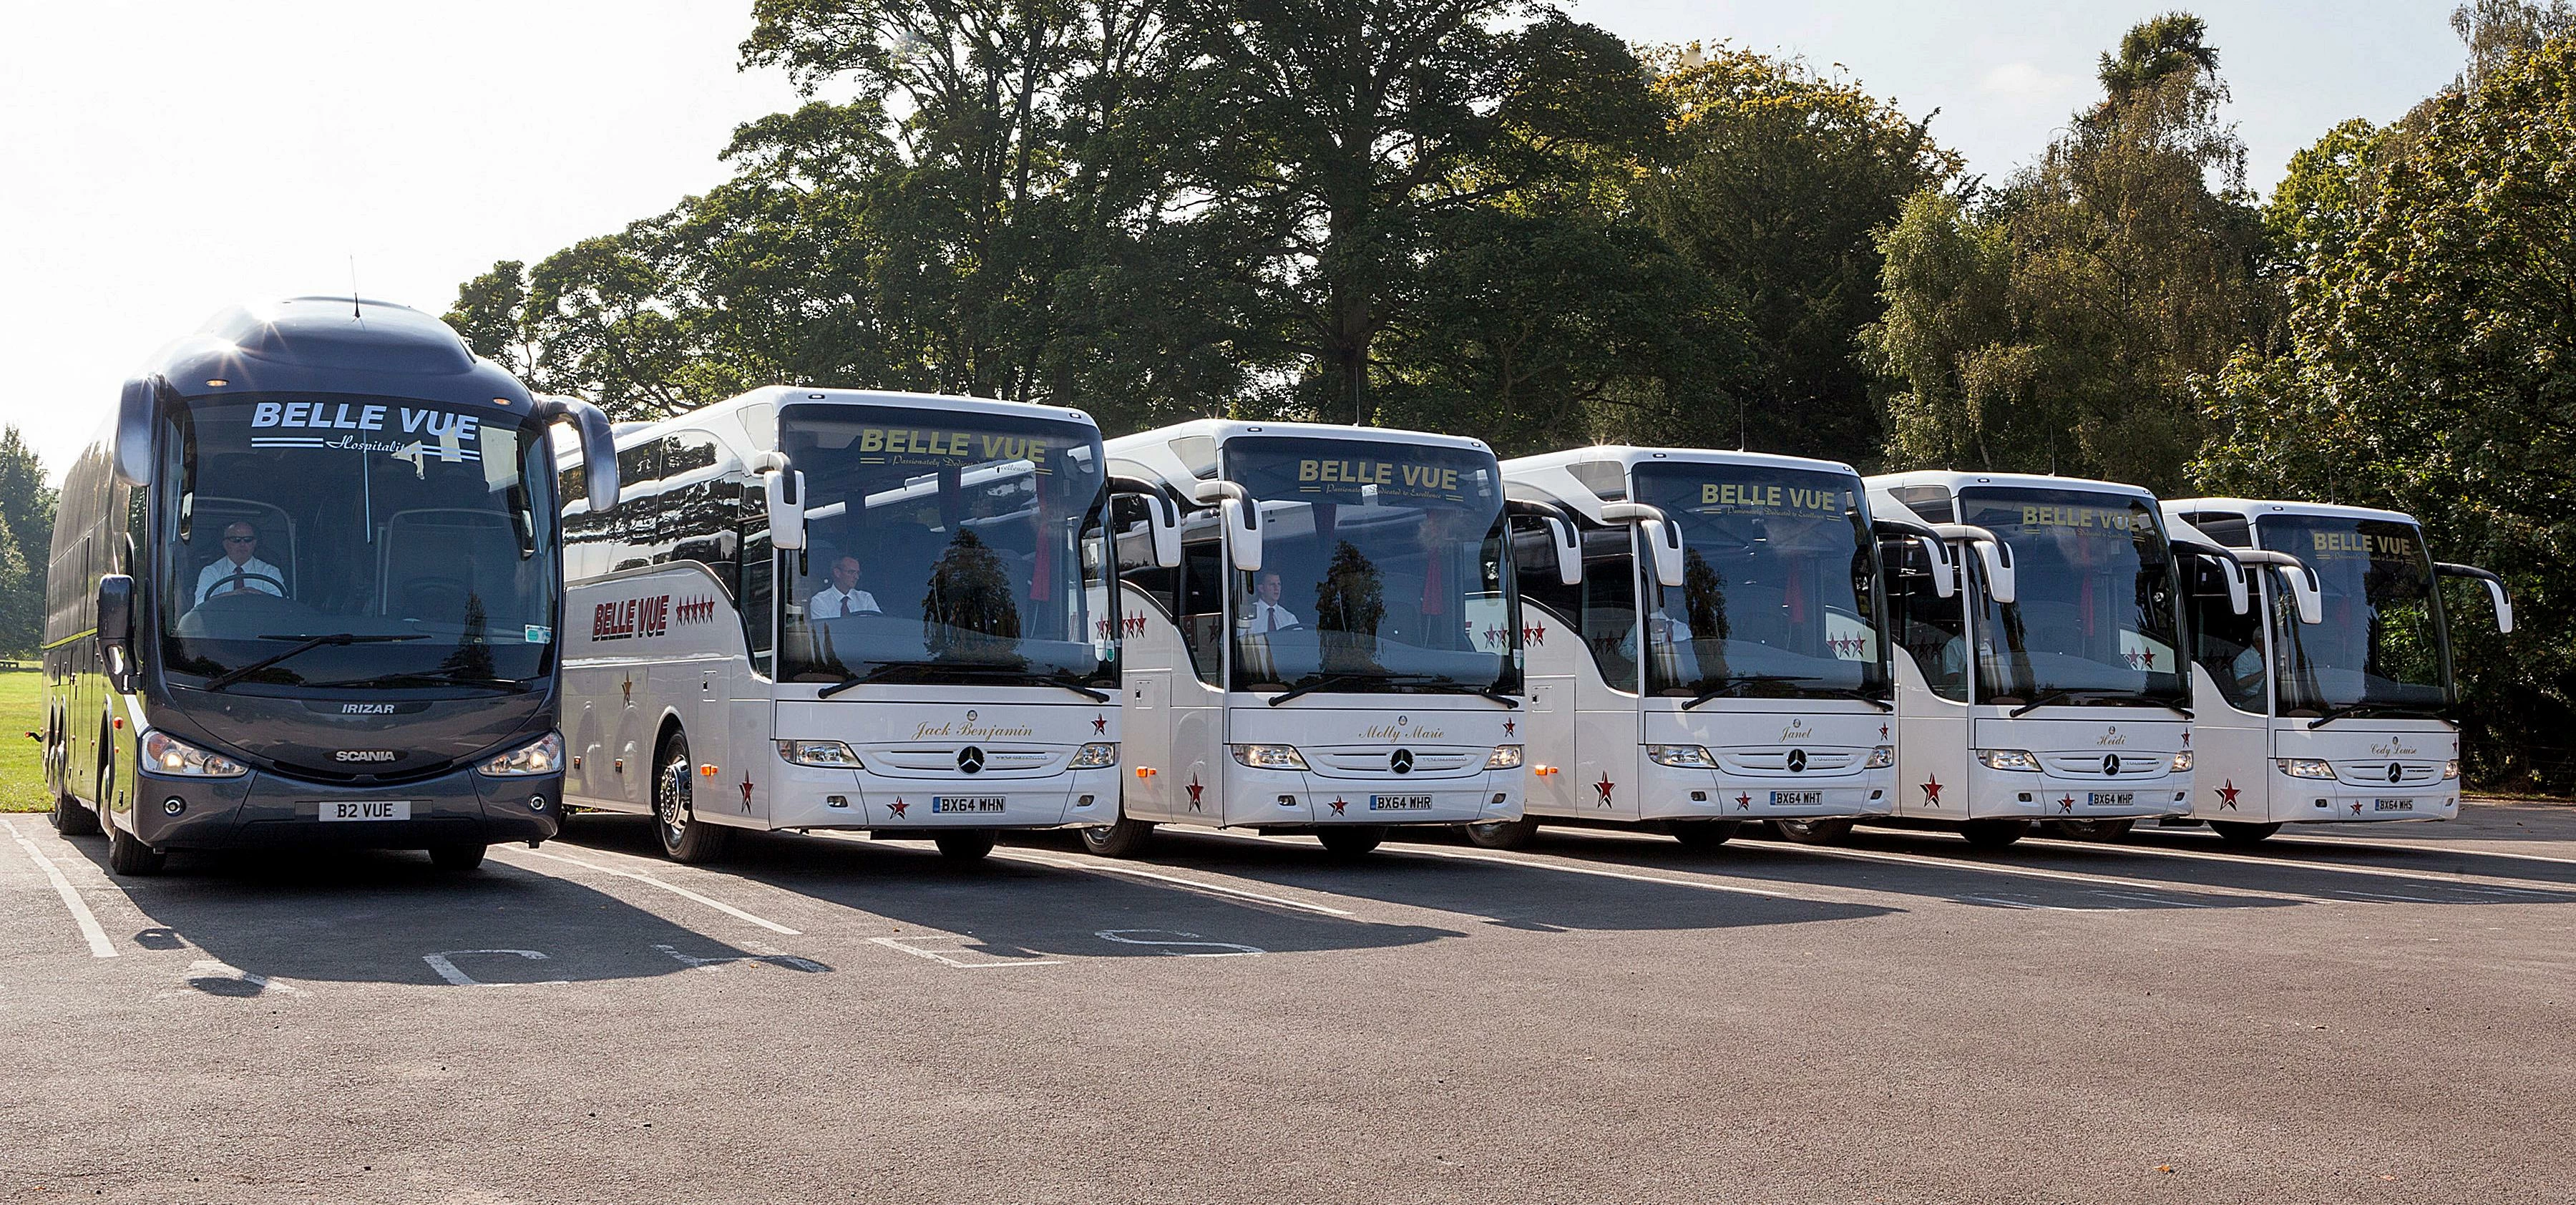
[(293, 517), (2097, 609), (1383, 563), (2381, 640), (1779, 596), (947, 545)]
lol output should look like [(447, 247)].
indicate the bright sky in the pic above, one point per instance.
[(165, 159)]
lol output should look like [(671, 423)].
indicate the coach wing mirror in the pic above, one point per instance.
[(2239, 599), (1663, 538), (786, 508), (1993, 555), (1569, 552), (2305, 595), (2495, 591), (116, 626), (1243, 533), (1162, 518), (134, 433), (599, 483)]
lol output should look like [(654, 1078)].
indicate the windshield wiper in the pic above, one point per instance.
[(2354, 709), (1736, 685), (431, 678), (887, 673), (309, 643), (2108, 697), (1434, 682)]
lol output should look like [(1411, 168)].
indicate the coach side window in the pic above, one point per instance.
[(638, 515), (1136, 567), (1202, 596), (1609, 615), (756, 573), (1534, 560)]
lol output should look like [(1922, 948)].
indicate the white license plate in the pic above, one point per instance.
[(1399, 803), (955, 804), (1797, 799), (2392, 805), (2113, 799), (366, 809)]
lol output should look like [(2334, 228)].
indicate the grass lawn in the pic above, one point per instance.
[(22, 761)]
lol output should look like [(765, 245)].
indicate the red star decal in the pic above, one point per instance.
[(1882, 732), (1099, 725), (897, 807), (746, 788), (1536, 633), (627, 687), (2227, 794), (1194, 789), (1339, 803), (1932, 791), (2067, 804), (1744, 802), (1507, 728), (1604, 786), (2356, 807), (2186, 738)]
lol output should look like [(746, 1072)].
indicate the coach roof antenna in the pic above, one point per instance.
[(353, 288)]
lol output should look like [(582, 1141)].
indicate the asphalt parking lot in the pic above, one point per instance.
[(2360, 1013)]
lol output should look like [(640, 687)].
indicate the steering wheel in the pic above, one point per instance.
[(238, 582)]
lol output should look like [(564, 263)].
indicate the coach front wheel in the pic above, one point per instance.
[(685, 838), (456, 859), (2096, 830), (128, 855), (2239, 833), (1704, 834), (1503, 834), (1829, 830), (1351, 840), (1994, 834), (1125, 839), (965, 844)]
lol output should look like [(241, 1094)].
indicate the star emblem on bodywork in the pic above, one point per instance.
[(627, 688), (897, 807), (2227, 794), (1744, 802), (1338, 804), (1099, 725), (1932, 791), (1604, 786), (746, 788), (1194, 789)]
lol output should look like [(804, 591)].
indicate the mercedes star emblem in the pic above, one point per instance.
[(1797, 761), (970, 760), (1400, 761), (2111, 763)]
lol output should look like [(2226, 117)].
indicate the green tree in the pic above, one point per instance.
[(2431, 368), (2116, 276), (1774, 180), (26, 543)]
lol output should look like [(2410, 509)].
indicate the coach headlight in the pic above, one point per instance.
[(2009, 759), (167, 754), (2182, 761), (1269, 757), (2306, 767), (2451, 769), (543, 755), (1881, 758), (1686, 757), (1505, 757), (835, 755), (1094, 755)]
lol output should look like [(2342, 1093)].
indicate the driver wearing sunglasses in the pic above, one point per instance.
[(240, 571)]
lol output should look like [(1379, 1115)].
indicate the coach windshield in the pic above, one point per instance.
[(947, 546), (1383, 569), (2382, 643), (400, 539), (2097, 614)]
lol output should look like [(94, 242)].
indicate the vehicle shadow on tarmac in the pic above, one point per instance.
[(2326, 868), (1950, 870), (1007, 907), (388, 916), (1507, 894)]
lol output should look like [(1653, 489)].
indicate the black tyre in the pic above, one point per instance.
[(2237, 832), (456, 859), (1125, 839), (2096, 830), (71, 818), (965, 844), (1994, 834), (685, 838), (1812, 830), (128, 855), (1351, 840), (1705, 834), (1503, 834)]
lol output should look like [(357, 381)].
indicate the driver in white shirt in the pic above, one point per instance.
[(843, 596), (240, 571), (1267, 615)]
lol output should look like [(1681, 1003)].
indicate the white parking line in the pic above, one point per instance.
[(2195, 855), (673, 888), (1120, 868), (1993, 901), (2436, 847), (99, 945), (942, 957), (1536, 862)]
